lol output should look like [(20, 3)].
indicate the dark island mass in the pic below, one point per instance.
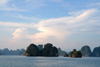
[(96, 52), (49, 50)]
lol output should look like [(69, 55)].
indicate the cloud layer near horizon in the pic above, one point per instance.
[(56, 30)]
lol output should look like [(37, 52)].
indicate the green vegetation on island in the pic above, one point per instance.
[(76, 54)]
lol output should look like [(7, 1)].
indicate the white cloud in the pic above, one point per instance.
[(4, 6), (35, 3), (26, 5), (12, 24), (57, 30), (19, 39), (3, 2), (76, 13), (60, 28), (20, 33), (94, 5), (32, 19), (11, 9)]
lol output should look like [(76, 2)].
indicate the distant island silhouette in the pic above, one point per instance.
[(51, 51), (6, 51)]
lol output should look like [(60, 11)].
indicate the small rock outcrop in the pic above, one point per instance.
[(66, 55), (76, 54)]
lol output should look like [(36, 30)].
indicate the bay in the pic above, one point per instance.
[(23, 61)]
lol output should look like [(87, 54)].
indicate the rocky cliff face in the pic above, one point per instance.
[(86, 51), (96, 52), (76, 54)]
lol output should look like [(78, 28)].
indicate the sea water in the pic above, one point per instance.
[(23, 61)]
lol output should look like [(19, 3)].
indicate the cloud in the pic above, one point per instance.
[(13, 24), (20, 33), (57, 30), (32, 19), (4, 6), (3, 2), (61, 28), (35, 3), (97, 4), (11, 9), (19, 39), (76, 13), (26, 5), (57, 27)]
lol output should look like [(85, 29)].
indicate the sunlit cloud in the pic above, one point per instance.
[(56, 30), (19, 39), (60, 28), (18, 34)]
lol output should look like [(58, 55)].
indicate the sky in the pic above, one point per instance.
[(68, 24)]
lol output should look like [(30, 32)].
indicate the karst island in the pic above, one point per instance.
[(48, 51)]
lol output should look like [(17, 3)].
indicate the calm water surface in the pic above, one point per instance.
[(22, 61)]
